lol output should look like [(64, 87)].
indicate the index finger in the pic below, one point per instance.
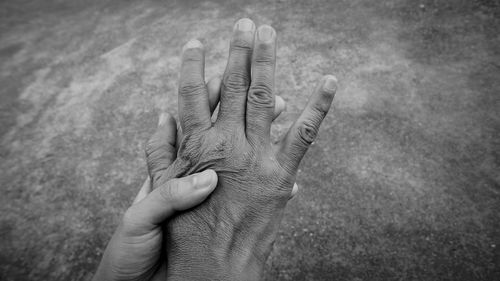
[(194, 111)]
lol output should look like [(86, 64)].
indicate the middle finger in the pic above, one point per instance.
[(236, 79)]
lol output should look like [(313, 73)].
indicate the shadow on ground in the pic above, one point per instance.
[(403, 183)]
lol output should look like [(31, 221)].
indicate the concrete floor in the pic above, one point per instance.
[(403, 183)]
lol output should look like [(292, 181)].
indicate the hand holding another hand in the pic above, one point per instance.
[(229, 235), (136, 250)]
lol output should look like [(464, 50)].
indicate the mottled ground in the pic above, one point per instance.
[(402, 184)]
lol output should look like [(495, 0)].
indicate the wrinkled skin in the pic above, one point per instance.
[(230, 235), (136, 250)]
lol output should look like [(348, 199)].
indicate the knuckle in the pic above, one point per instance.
[(261, 95), (283, 190), (307, 132), (320, 110), (190, 87), (265, 55), (265, 61), (241, 45), (236, 81), (192, 123), (189, 148)]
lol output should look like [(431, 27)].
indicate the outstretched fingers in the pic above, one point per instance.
[(194, 111), (304, 130)]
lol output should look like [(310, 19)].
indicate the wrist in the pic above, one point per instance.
[(230, 245)]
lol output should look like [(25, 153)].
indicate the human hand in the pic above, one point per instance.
[(230, 235), (136, 249)]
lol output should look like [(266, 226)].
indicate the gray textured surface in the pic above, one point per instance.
[(403, 183)]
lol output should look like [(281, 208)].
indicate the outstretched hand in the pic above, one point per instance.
[(229, 236)]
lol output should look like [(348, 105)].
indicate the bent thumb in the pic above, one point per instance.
[(175, 195)]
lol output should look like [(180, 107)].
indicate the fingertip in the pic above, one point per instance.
[(166, 131), (165, 118), (162, 120), (205, 180), (244, 25), (175, 195), (330, 84), (266, 34), (195, 189), (192, 44), (324, 94)]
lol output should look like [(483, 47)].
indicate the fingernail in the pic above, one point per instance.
[(330, 83), (265, 33), (245, 25), (193, 44), (163, 119), (205, 179)]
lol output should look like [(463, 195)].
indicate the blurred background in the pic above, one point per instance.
[(403, 182)]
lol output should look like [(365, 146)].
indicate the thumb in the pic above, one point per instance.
[(175, 195)]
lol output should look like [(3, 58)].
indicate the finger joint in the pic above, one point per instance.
[(241, 45), (307, 132), (189, 88), (235, 81), (261, 95)]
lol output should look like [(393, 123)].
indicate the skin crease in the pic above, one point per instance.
[(229, 235)]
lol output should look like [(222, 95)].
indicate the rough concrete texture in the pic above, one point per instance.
[(402, 184)]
